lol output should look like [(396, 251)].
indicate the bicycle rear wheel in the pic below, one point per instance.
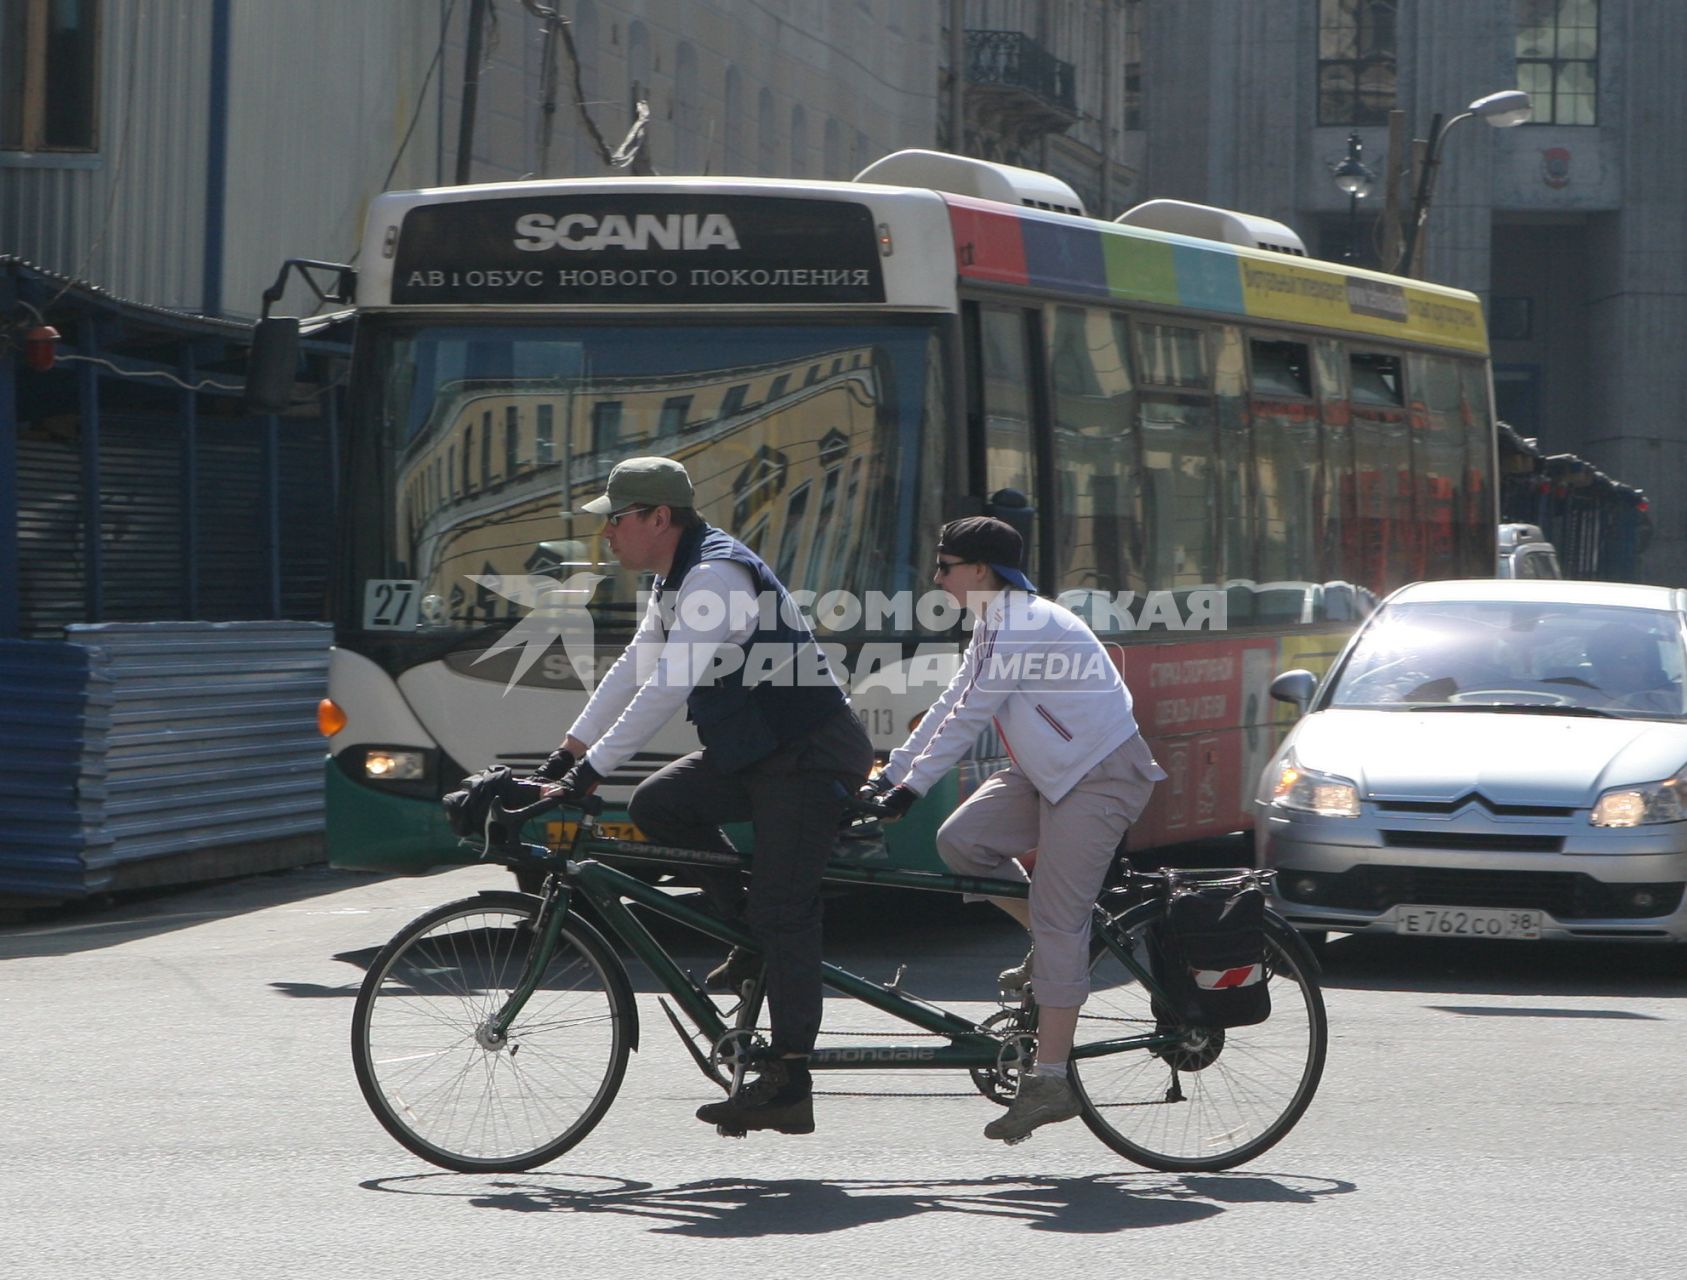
[(448, 1089), (1222, 1097)]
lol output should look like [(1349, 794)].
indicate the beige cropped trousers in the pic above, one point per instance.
[(1075, 839)]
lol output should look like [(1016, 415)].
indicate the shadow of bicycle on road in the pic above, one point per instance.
[(737, 1208)]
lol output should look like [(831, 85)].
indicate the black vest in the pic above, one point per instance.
[(741, 723)]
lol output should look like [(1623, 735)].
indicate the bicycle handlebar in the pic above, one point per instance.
[(592, 805)]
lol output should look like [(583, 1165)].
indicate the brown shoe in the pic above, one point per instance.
[(781, 1098)]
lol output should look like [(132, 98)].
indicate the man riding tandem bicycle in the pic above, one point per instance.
[(1184, 1022)]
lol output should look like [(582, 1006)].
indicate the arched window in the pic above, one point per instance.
[(799, 142), (834, 150), (732, 124), (767, 141), (689, 130)]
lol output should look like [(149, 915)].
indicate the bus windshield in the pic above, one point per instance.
[(815, 443)]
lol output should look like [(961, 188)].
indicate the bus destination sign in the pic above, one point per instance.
[(610, 249)]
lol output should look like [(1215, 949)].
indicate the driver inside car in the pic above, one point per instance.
[(1625, 666)]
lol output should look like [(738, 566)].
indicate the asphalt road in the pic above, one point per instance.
[(181, 1103)]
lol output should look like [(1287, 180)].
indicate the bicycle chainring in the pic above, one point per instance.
[(1019, 1049)]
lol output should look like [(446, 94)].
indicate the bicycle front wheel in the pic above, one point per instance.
[(1222, 1096), (436, 1074)]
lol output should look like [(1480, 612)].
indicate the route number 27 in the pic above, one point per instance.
[(390, 604)]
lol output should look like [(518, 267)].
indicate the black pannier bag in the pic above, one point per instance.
[(1209, 953)]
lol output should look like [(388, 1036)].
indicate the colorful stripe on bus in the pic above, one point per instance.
[(1016, 247)]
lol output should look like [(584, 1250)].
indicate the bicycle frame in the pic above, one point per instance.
[(609, 890)]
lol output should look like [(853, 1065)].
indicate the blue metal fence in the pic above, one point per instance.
[(54, 712), (157, 752)]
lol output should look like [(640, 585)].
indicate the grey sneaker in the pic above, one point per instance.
[(1041, 1100), (1014, 981)]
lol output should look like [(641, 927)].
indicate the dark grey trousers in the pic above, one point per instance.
[(794, 799)]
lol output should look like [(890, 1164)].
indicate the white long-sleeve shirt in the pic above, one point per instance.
[(654, 674), (1055, 695)]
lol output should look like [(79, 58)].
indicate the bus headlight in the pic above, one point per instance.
[(1645, 804), (380, 765), (1309, 791)]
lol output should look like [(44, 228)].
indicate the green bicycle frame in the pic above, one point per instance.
[(609, 890)]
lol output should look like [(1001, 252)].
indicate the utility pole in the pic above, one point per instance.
[(471, 90)]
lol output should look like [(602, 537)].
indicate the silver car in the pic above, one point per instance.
[(1490, 759)]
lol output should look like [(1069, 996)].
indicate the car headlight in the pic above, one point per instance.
[(1309, 791), (1649, 802)]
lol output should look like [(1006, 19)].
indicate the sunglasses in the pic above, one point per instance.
[(614, 518), (943, 566)]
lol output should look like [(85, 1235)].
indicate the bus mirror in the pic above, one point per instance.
[(272, 364)]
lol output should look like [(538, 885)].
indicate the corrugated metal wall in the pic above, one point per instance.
[(140, 744), (321, 94), (135, 222)]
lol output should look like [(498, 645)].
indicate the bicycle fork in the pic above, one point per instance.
[(547, 929)]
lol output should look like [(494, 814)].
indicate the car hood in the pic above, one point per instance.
[(1507, 757)]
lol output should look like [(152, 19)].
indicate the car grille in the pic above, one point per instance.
[(1483, 842), (1440, 808), (1567, 895)]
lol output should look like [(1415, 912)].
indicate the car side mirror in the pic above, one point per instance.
[(1295, 686)]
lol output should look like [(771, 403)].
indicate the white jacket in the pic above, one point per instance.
[(1049, 685)]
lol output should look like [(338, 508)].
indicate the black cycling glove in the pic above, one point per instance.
[(892, 804), (556, 765), (580, 782)]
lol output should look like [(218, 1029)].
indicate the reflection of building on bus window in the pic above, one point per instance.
[(801, 454)]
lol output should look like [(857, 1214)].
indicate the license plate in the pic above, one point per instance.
[(1468, 922), (557, 832)]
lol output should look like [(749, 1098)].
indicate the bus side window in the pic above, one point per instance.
[(1097, 527), (1009, 450), (1177, 421)]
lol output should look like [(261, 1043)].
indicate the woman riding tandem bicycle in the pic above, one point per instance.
[(1080, 775)]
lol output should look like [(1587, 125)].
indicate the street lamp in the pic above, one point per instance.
[(1502, 110), (1354, 179)]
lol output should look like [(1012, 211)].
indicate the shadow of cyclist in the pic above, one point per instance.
[(737, 1208)]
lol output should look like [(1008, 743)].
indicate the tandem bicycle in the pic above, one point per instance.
[(491, 1034)]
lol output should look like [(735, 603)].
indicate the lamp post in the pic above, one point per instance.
[(1502, 110), (1355, 179)]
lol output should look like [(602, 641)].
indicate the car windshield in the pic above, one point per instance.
[(1552, 657)]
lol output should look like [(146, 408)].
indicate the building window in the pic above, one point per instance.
[(49, 75), (544, 444), (1133, 64), (674, 412), (1355, 61), (606, 426), (1558, 59)]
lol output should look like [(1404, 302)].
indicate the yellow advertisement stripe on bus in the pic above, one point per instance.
[(1141, 267)]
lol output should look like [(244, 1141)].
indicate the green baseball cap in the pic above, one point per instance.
[(643, 482)]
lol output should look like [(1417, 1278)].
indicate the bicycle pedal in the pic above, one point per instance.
[(727, 1131)]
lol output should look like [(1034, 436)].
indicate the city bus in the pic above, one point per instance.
[(1221, 452)]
